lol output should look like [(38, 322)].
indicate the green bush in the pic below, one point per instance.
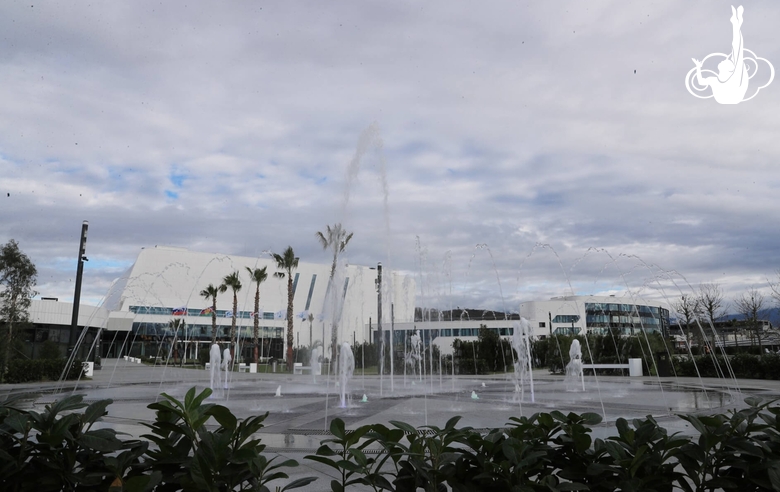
[(553, 451), (58, 449), (26, 370), (746, 366), (50, 350)]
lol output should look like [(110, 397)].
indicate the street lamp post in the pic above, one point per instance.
[(381, 341), (77, 294)]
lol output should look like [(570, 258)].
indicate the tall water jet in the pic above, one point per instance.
[(346, 368), (314, 363), (574, 374), (369, 139), (226, 359), (414, 356), (215, 360), (522, 365)]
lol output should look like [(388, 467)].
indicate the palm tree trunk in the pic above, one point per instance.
[(289, 321), (213, 322), (334, 327), (257, 321), (233, 328)]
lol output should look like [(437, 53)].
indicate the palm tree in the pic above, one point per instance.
[(336, 239), (211, 292), (311, 322), (288, 262), (258, 276), (234, 283)]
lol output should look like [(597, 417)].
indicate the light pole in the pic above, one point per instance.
[(77, 294), (381, 343)]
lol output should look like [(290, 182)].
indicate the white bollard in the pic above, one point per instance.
[(252, 368), (635, 368)]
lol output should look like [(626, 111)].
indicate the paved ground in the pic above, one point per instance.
[(299, 417)]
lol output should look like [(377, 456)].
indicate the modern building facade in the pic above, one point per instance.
[(156, 306), (572, 315)]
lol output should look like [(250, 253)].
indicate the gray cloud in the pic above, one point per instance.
[(505, 126)]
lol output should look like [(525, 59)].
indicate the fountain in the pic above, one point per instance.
[(215, 360), (623, 398), (523, 372), (314, 363), (574, 373), (414, 358), (346, 368), (226, 360)]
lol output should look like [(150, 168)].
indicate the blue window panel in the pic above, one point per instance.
[(311, 291)]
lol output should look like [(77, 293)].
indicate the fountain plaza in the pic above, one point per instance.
[(301, 406)]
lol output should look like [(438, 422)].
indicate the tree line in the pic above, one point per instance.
[(699, 312)]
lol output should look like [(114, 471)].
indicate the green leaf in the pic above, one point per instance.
[(337, 428), (323, 460), (18, 422), (224, 416), (300, 482), (142, 483), (591, 419), (100, 442), (451, 423), (95, 411), (360, 457), (572, 486), (754, 401), (198, 400), (774, 475), (404, 427)]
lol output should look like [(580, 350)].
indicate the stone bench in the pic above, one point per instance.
[(634, 367), (299, 368)]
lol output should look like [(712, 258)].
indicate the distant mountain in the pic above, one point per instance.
[(771, 314)]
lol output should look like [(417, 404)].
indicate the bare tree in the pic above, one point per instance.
[(749, 305), (712, 304), (688, 311), (775, 286)]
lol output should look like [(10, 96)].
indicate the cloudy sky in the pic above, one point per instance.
[(512, 150)]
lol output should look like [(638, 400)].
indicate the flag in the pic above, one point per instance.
[(207, 311), (179, 311), (229, 313), (320, 317), (303, 314), (280, 315)]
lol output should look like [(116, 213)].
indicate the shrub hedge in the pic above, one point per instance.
[(59, 450), (747, 366), (30, 370)]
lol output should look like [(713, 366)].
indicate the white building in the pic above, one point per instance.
[(568, 315), (164, 284), (595, 314)]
